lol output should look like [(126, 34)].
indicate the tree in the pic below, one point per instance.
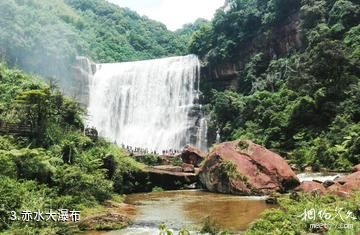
[(35, 105)]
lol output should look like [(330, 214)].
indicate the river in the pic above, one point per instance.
[(188, 209)]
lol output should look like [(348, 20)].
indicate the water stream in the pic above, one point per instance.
[(319, 176), (189, 209)]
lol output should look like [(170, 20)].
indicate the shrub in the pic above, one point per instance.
[(33, 164), (71, 180)]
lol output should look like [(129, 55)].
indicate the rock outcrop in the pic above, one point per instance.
[(245, 168), (311, 187), (170, 179), (273, 44), (342, 186), (347, 184), (92, 133), (356, 168), (114, 216), (192, 155), (187, 168)]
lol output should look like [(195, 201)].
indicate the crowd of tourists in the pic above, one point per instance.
[(145, 151)]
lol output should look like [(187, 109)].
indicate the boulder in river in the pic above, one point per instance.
[(311, 187), (352, 178), (347, 184), (338, 189), (245, 168), (328, 183), (341, 186), (192, 155)]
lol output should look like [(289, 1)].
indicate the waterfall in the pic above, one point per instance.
[(150, 104), (83, 72)]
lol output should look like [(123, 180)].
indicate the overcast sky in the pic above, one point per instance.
[(173, 13)]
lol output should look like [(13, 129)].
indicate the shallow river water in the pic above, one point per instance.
[(188, 209), (320, 176)]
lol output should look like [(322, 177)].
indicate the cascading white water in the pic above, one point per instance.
[(149, 104)]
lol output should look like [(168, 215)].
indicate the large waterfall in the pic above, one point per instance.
[(150, 104)]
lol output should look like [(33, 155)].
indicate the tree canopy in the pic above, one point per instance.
[(301, 103), (44, 37)]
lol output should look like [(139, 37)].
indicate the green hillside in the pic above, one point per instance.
[(45, 159), (302, 100), (44, 37)]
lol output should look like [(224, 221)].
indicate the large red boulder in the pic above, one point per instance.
[(310, 187), (192, 155), (354, 177), (338, 189), (245, 168), (347, 184)]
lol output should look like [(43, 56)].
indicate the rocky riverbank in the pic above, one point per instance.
[(342, 186), (238, 168), (111, 216), (243, 168)]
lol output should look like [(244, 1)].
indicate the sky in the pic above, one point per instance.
[(173, 13)]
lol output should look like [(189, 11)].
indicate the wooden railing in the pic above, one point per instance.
[(15, 129)]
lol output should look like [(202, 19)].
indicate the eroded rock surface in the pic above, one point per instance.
[(192, 155), (170, 179), (245, 168), (311, 187), (356, 168)]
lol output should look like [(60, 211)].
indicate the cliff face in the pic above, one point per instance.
[(276, 42)]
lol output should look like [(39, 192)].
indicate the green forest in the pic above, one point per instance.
[(54, 165), (304, 103), (44, 37), (301, 102)]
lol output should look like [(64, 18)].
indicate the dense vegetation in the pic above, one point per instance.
[(45, 37), (303, 102), (115, 34), (52, 165), (292, 216)]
